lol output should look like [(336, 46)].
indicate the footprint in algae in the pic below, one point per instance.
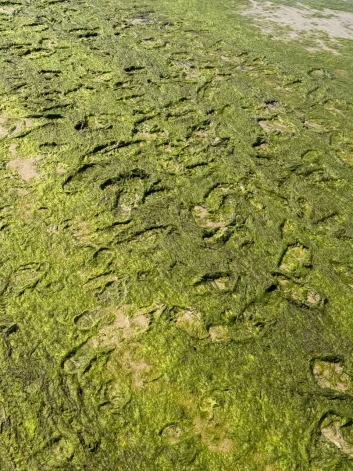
[(330, 374), (338, 431), (344, 272), (191, 322), (295, 260), (301, 295), (111, 328)]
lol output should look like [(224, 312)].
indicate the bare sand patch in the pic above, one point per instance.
[(128, 322), (273, 126), (12, 150), (204, 218), (302, 20), (26, 168), (191, 322), (218, 333), (7, 10), (331, 375), (213, 435), (332, 431)]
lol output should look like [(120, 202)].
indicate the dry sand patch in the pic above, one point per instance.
[(25, 168), (301, 20)]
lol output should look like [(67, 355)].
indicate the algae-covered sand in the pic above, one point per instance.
[(176, 236)]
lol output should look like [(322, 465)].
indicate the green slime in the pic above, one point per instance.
[(176, 241)]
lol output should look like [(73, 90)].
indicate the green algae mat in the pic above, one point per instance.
[(176, 234)]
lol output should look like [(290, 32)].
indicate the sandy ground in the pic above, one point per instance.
[(333, 24)]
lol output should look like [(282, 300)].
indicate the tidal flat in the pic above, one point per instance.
[(176, 207)]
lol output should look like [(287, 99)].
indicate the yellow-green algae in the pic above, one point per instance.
[(176, 241)]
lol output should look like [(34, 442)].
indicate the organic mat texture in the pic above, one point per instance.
[(176, 233)]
